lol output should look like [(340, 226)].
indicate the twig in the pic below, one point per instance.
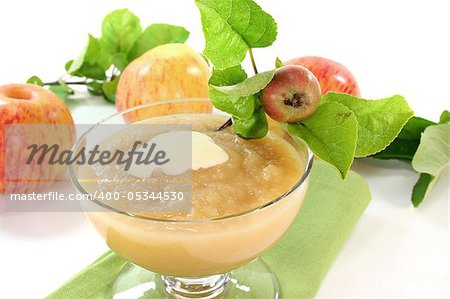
[(229, 122), (252, 58), (67, 83)]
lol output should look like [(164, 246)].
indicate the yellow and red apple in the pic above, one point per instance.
[(26, 104), (167, 72)]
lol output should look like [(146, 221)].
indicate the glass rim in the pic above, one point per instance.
[(80, 188)]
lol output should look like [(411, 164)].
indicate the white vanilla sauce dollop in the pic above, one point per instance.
[(205, 153)]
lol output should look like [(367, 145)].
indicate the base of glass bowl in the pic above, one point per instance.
[(254, 280)]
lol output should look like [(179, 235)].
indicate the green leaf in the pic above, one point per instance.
[(92, 54), (249, 86), (278, 63), (229, 76), (206, 59), (241, 107), (379, 121), (445, 117), (120, 61), (433, 153), (421, 188), (254, 127), (68, 65), (120, 30), (92, 62), (331, 134), (414, 128), (405, 145), (399, 149), (92, 72), (95, 88), (35, 80), (431, 158), (62, 91), (109, 89), (156, 35), (232, 27)]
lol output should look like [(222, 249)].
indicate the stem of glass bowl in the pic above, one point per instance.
[(203, 287)]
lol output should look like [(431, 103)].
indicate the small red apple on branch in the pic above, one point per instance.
[(295, 91), (292, 95)]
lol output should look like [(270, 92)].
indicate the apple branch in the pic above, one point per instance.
[(229, 122), (65, 82), (252, 58)]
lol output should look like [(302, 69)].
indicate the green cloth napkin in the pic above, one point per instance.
[(301, 259)]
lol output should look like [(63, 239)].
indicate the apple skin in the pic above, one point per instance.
[(292, 95), (31, 104), (332, 75), (167, 72)]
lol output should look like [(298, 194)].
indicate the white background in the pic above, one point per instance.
[(392, 47)]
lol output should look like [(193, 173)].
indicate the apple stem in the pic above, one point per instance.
[(252, 58), (229, 122)]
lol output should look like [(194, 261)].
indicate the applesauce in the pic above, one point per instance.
[(213, 237)]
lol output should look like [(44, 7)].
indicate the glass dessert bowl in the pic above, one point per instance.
[(239, 207)]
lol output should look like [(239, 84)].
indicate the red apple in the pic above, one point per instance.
[(167, 72), (26, 104), (332, 75)]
